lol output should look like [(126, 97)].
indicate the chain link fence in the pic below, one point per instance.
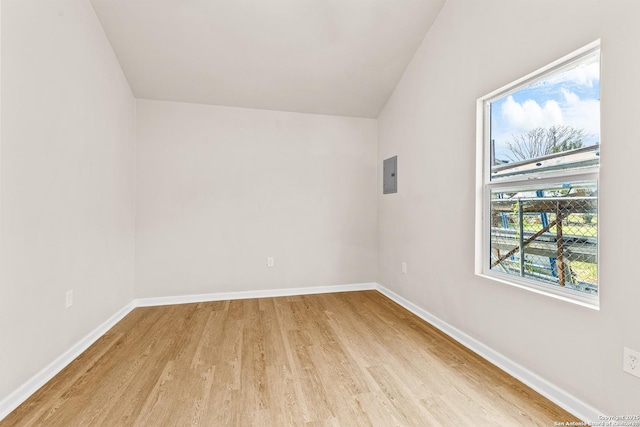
[(547, 235)]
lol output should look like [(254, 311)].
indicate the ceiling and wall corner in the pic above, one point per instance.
[(332, 57)]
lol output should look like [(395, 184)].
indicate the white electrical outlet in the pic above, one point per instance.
[(69, 299), (404, 267), (270, 262), (631, 363)]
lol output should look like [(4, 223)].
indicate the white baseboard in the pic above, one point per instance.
[(11, 402), (186, 299), (563, 399), (555, 394)]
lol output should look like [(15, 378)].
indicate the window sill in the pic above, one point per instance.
[(574, 297)]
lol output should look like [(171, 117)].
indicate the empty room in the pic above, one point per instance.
[(319, 212)]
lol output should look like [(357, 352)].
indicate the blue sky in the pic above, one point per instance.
[(570, 97)]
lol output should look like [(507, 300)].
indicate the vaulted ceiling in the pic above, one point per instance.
[(339, 57)]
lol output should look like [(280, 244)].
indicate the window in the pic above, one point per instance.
[(537, 175)]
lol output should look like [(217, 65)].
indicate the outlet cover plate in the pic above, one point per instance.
[(631, 363), (69, 299)]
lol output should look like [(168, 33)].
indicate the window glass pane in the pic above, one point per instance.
[(548, 234), (550, 124)]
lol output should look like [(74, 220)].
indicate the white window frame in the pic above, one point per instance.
[(484, 185)]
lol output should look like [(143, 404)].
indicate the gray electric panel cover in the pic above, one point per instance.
[(390, 175)]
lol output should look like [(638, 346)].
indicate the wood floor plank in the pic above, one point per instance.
[(274, 339), (312, 391), (339, 359), (285, 406)]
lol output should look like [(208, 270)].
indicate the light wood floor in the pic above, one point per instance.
[(344, 359)]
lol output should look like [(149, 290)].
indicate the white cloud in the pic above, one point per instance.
[(584, 115), (530, 114), (581, 114), (571, 111), (569, 97), (576, 104), (584, 75)]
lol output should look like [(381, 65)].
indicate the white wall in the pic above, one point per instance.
[(220, 189), (429, 122), (68, 129)]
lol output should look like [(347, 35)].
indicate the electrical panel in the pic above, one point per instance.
[(390, 175)]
